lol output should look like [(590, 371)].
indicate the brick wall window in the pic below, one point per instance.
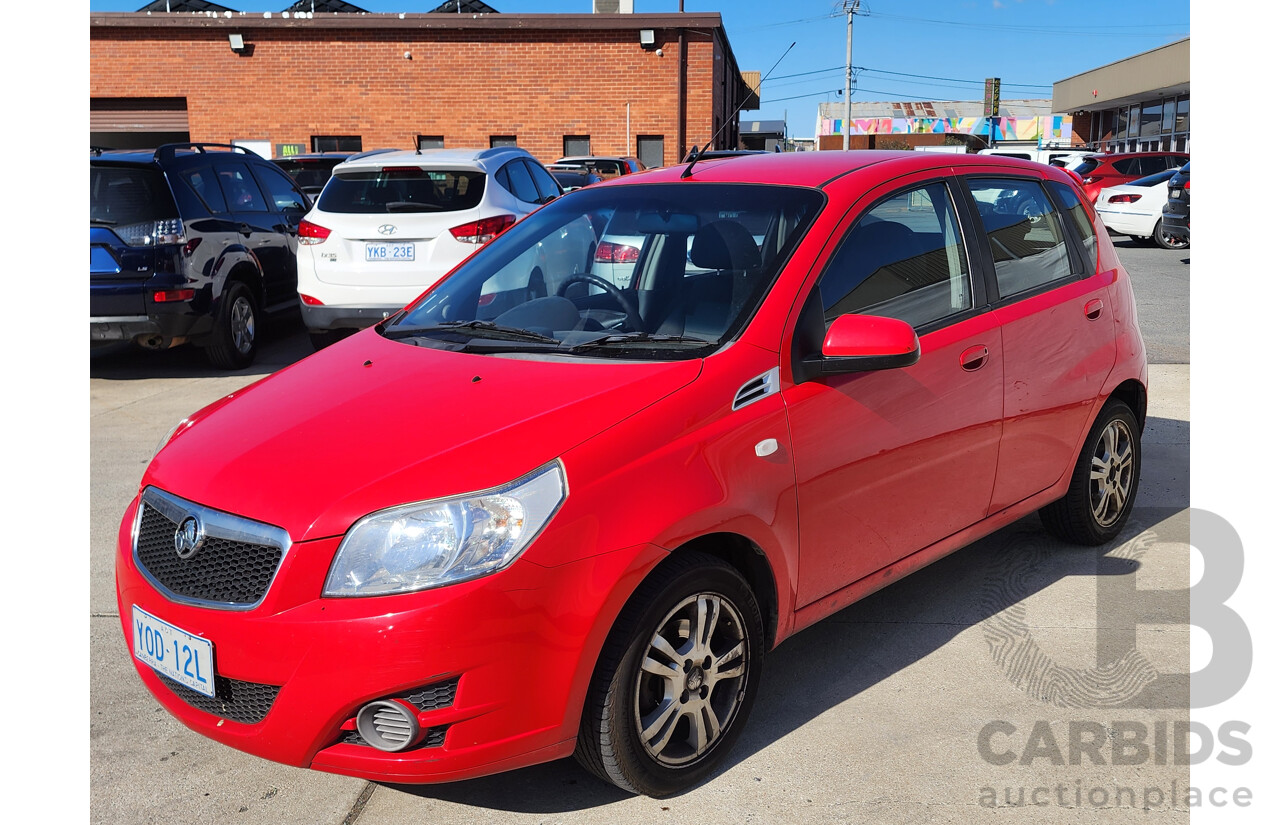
[(501, 140), (430, 141), (576, 145), (336, 143), (650, 148)]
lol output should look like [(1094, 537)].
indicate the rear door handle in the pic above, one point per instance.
[(974, 358), (1093, 309)]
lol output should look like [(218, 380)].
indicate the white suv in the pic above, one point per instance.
[(389, 224)]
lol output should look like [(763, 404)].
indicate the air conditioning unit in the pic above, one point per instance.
[(613, 6)]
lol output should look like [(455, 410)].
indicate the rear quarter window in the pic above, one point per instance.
[(377, 191)]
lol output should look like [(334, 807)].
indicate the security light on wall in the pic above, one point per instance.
[(646, 38), (237, 42)]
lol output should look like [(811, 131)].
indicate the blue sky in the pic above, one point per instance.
[(910, 49)]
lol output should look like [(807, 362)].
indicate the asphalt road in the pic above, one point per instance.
[(877, 714)]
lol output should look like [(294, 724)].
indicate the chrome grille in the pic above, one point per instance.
[(233, 566)]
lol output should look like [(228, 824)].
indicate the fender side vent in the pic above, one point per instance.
[(761, 386)]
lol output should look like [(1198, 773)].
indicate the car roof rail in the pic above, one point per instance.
[(170, 150), (498, 150), (369, 153)]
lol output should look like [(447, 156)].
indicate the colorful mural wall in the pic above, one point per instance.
[(1044, 129)]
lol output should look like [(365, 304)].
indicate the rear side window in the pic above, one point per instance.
[(402, 189), (122, 195), (519, 183), (1079, 218), (904, 259), (204, 183), (240, 189), (1086, 166), (1024, 233)]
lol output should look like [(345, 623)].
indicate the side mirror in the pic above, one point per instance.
[(859, 343)]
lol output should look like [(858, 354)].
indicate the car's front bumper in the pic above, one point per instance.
[(521, 645)]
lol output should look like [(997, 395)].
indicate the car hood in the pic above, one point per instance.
[(370, 423)]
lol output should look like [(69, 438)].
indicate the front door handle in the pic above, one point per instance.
[(974, 358), (1093, 309)]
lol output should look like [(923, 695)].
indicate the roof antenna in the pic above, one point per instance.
[(697, 153)]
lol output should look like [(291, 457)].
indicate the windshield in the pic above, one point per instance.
[(1086, 166), (309, 174), (403, 189), (653, 271)]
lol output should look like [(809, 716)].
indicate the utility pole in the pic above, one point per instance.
[(850, 9)]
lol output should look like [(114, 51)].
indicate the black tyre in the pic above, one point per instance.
[(676, 678), (1167, 241), (235, 332), (1104, 482)]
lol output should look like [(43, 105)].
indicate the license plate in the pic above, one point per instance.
[(399, 251), (172, 651)]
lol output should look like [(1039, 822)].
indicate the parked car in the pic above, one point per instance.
[(1136, 209), (1053, 157), (392, 223), (311, 172), (604, 166), (194, 242), (571, 177), (1097, 172), (1176, 217), (575, 518)]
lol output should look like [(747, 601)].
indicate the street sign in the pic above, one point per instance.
[(991, 98)]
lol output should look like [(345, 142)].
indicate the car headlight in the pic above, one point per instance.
[(434, 543)]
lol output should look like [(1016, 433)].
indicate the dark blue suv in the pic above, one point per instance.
[(190, 244)]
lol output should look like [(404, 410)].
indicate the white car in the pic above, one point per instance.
[(1134, 209), (389, 224)]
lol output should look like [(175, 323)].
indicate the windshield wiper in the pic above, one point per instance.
[(472, 329), (102, 222), (642, 338)]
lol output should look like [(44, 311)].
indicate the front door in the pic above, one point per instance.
[(889, 462)]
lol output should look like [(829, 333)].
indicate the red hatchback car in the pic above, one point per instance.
[(1100, 171), (539, 513)]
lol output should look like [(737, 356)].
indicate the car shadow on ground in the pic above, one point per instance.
[(281, 342), (870, 641)]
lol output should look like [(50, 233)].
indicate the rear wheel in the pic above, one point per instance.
[(676, 678), (235, 341), (1167, 241), (1104, 482)]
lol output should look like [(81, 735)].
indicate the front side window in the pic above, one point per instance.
[(904, 259), (654, 272), (1023, 231), (284, 195), (402, 189)]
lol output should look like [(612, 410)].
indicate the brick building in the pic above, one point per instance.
[(648, 85)]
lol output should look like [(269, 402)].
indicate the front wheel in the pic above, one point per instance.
[(1104, 482), (676, 678), (235, 341)]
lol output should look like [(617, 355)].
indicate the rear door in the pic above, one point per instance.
[(889, 462), (288, 205), (1056, 320)]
